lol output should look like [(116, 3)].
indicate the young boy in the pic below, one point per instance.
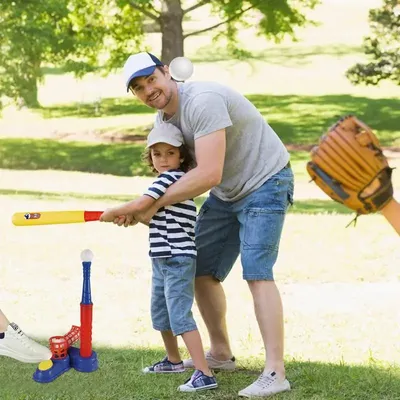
[(173, 254)]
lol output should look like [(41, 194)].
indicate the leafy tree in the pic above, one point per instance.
[(278, 18), (382, 47), (82, 35), (33, 34)]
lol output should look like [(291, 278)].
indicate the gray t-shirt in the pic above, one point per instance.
[(254, 152)]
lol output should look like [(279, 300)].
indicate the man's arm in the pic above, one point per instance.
[(117, 214), (210, 157), (134, 206)]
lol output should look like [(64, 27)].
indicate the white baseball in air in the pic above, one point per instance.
[(181, 68), (87, 255)]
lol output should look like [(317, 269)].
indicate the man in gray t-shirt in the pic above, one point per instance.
[(254, 152), (246, 166)]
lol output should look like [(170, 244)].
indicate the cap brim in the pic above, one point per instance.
[(142, 72), (172, 142)]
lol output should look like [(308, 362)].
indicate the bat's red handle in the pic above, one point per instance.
[(86, 330), (92, 215)]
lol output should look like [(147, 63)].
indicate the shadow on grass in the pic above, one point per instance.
[(296, 119), (115, 159), (119, 377), (303, 119), (104, 108)]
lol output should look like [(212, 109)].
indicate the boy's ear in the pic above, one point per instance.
[(181, 160)]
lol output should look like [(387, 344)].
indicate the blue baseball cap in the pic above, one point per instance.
[(140, 64)]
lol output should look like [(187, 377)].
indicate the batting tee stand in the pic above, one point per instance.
[(64, 355)]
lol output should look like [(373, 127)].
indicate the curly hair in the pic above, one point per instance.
[(186, 165)]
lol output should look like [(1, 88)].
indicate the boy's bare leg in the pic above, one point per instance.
[(194, 344), (171, 346)]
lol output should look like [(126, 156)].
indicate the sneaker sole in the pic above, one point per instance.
[(214, 386), (163, 372), (262, 395)]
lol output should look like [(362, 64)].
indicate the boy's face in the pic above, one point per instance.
[(165, 157), (154, 90)]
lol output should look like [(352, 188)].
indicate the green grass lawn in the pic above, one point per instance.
[(119, 378), (339, 287), (31, 154)]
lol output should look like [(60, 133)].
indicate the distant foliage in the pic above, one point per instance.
[(382, 47)]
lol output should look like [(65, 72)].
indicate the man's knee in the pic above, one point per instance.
[(205, 282), (261, 285)]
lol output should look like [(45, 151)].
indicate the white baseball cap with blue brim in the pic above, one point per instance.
[(165, 133), (140, 64)]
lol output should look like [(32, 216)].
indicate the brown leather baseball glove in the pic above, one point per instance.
[(350, 167)]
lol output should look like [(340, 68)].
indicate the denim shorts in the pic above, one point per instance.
[(251, 227), (172, 294)]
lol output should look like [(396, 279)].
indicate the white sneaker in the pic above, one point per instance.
[(266, 385), (15, 344), (225, 365)]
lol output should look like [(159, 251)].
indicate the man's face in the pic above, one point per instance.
[(154, 90)]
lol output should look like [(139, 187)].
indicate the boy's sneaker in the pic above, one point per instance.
[(15, 344), (266, 385), (198, 381), (225, 365), (164, 367)]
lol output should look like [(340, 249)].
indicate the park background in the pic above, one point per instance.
[(81, 150)]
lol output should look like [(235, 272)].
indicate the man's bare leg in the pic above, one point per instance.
[(211, 301), (269, 314)]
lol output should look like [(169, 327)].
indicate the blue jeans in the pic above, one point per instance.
[(251, 227), (172, 294)]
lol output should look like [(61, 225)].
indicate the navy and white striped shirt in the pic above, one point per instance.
[(172, 228)]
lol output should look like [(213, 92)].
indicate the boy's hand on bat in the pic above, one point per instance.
[(125, 220), (108, 215)]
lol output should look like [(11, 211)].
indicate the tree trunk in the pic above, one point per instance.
[(29, 94), (171, 30), (28, 85)]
